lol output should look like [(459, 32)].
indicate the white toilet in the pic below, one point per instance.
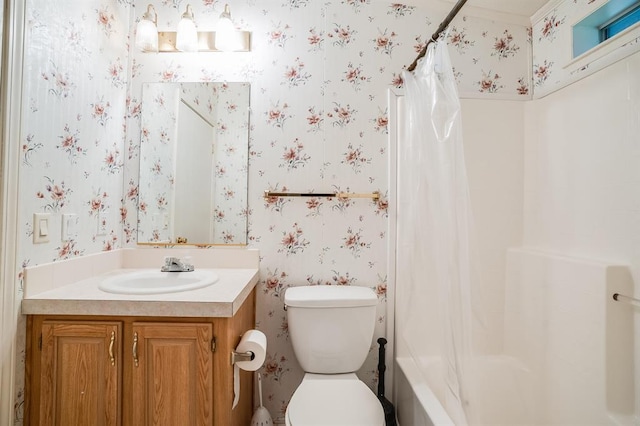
[(331, 329)]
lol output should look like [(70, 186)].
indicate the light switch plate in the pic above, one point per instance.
[(69, 226), (41, 227)]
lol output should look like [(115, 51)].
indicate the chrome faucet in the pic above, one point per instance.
[(173, 264)]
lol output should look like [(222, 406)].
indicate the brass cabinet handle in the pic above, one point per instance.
[(112, 357), (135, 348)]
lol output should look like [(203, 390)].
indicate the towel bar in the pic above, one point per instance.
[(622, 298)]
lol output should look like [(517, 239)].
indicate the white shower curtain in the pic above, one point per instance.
[(434, 233)]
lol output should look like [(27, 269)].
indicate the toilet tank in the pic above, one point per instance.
[(331, 327)]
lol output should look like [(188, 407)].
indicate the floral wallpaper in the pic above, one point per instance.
[(490, 58), (319, 75), (226, 107), (73, 124), (158, 140), (552, 44), (232, 163)]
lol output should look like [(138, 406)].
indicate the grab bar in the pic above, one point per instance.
[(622, 298)]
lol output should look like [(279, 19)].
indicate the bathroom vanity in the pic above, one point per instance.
[(97, 358)]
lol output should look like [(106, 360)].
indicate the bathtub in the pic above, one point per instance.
[(567, 357), (416, 403), (505, 391)]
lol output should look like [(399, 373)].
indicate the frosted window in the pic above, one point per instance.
[(605, 23)]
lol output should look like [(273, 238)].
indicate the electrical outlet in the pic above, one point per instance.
[(41, 228), (103, 222)]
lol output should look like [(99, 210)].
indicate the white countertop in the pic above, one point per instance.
[(222, 299)]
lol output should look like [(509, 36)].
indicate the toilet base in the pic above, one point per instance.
[(334, 400)]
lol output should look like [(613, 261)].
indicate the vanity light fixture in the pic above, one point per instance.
[(187, 38), (228, 39), (187, 34), (147, 31)]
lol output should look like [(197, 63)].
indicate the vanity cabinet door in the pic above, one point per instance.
[(172, 374), (80, 371)]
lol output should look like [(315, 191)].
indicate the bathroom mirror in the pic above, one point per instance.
[(194, 149)]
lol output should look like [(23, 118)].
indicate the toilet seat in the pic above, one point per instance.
[(333, 400)]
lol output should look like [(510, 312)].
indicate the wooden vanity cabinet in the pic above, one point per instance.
[(136, 371), (79, 375), (172, 363)]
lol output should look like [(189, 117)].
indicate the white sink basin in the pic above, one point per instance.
[(151, 281)]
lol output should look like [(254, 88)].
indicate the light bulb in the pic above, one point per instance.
[(147, 32), (227, 38), (187, 33)]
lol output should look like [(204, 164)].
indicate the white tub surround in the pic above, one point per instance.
[(71, 287), (568, 356), (562, 323)]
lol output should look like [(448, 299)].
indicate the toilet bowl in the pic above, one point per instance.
[(334, 400), (331, 329)]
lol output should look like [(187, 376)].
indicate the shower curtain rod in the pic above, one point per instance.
[(443, 26)]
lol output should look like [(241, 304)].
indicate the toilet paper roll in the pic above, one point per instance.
[(253, 341), (236, 386), (256, 342)]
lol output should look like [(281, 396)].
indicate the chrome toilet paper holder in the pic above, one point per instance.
[(242, 356)]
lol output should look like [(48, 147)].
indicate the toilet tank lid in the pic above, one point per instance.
[(330, 296)]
